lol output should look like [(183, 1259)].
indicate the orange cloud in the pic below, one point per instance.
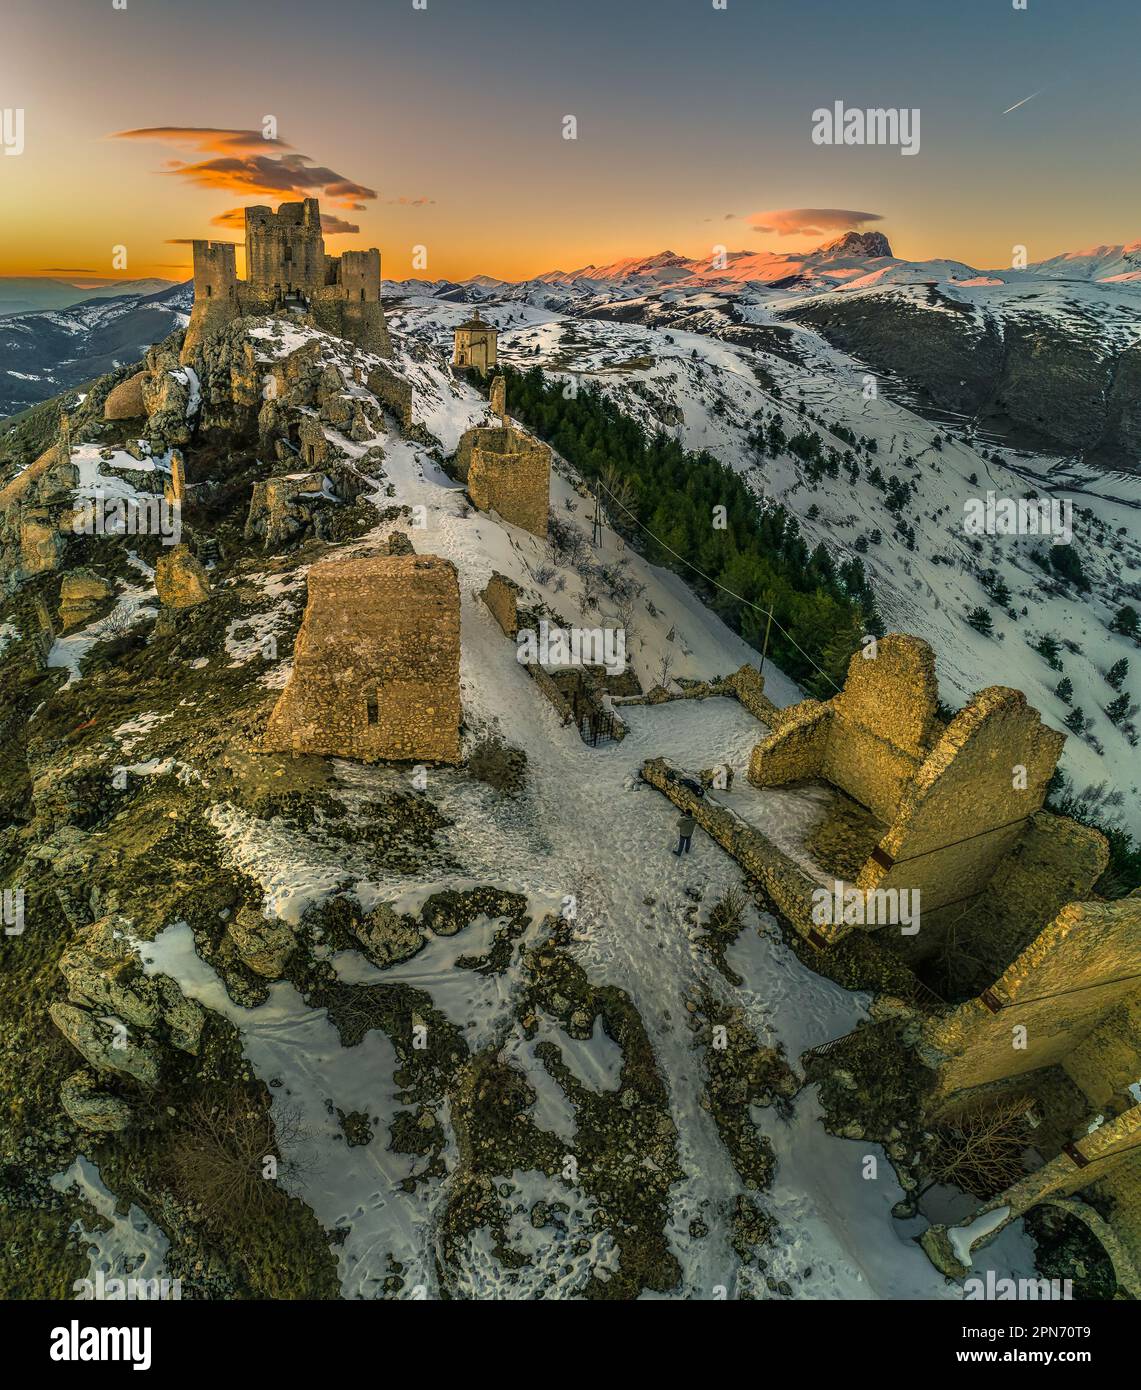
[(209, 139), (235, 166), (810, 221)]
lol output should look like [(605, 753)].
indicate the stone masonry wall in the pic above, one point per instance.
[(1076, 972), (510, 472), (501, 596), (376, 663), (965, 809), (874, 734)]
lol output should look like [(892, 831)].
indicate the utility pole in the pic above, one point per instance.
[(596, 538), (765, 647)]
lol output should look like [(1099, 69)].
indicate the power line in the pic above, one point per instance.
[(710, 580)]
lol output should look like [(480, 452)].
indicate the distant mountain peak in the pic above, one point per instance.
[(864, 244)]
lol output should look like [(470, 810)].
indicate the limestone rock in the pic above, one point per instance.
[(80, 594), (107, 1044), (264, 944), (104, 973), (126, 401), (90, 1108), (386, 938), (180, 578), (166, 396)]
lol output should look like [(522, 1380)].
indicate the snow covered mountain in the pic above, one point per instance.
[(46, 352), (882, 481), (1046, 358), (26, 294)]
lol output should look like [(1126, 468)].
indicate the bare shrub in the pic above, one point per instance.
[(220, 1152), (980, 1149)]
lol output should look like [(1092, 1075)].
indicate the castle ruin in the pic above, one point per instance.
[(376, 665), (287, 268)]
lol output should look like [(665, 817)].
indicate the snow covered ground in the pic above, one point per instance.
[(585, 827)]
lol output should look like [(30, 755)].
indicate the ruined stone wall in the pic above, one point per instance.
[(362, 324), (376, 663), (1122, 1185), (966, 808), (1075, 973), (884, 720), (782, 878), (749, 687), (1057, 861), (311, 439), (874, 735), (501, 596), (510, 472), (796, 750), (1107, 1062), (1109, 1158)]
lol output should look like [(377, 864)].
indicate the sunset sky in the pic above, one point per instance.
[(443, 127)]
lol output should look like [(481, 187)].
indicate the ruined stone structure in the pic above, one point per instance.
[(287, 268), (1067, 1010), (508, 471), (476, 344), (376, 664), (955, 801), (502, 597), (1071, 998)]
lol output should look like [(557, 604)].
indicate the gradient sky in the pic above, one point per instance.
[(452, 117)]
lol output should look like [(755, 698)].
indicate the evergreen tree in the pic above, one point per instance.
[(980, 619), (1065, 690), (1117, 673), (1050, 648), (1125, 621), (1075, 721)]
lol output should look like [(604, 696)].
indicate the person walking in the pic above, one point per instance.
[(685, 829)]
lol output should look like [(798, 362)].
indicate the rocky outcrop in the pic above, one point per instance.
[(81, 593), (386, 938), (104, 974), (263, 943), (92, 1108), (181, 580), (107, 1044), (126, 401)]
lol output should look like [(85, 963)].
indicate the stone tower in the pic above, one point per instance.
[(215, 291), (376, 665)]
